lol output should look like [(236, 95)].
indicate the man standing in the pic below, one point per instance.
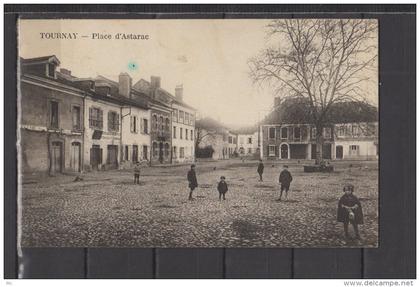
[(260, 169), (285, 179), (192, 180)]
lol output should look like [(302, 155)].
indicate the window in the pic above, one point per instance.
[(284, 133), (235, 140), (341, 131), (327, 133), (174, 152), (187, 118), (181, 116), (249, 140), (133, 124), (145, 126), (355, 131), (113, 122), (135, 154), (161, 126), (313, 133), (174, 133), (51, 70), (296, 133), (192, 119), (181, 152), (241, 140), (230, 139), (54, 114), (75, 111), (154, 123), (192, 135), (95, 118), (145, 152), (175, 116), (271, 150), (354, 150), (186, 134), (180, 133), (272, 133), (167, 124)]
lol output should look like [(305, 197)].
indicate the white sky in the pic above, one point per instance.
[(209, 57)]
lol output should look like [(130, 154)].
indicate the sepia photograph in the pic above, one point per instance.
[(198, 133)]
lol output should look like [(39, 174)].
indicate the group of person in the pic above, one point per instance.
[(349, 209)]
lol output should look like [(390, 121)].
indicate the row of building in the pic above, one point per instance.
[(77, 124), (351, 135)]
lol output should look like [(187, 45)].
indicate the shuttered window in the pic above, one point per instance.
[(95, 118), (113, 122)]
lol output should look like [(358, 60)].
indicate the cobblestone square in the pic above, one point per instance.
[(106, 209)]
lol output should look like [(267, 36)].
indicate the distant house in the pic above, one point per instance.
[(352, 133), (247, 141), (211, 133)]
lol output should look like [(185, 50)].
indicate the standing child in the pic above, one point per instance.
[(222, 188), (137, 173), (285, 179), (260, 169), (192, 181), (350, 211)]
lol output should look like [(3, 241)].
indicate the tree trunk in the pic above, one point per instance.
[(319, 145)]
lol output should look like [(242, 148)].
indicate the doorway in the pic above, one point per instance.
[(112, 159), (339, 152), (284, 151), (95, 157), (161, 152), (75, 157), (56, 157)]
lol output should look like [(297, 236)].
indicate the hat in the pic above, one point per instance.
[(193, 165), (285, 166), (222, 177)]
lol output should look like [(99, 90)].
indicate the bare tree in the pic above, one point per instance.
[(322, 61), (200, 135)]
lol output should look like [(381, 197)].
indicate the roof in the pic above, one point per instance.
[(43, 59), (296, 111), (145, 86)]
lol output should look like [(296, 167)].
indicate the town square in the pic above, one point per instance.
[(177, 142)]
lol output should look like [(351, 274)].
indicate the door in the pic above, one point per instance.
[(284, 151), (95, 157), (135, 153), (145, 152), (339, 152), (75, 157), (56, 157), (112, 159)]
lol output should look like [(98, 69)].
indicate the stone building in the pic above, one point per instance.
[(50, 119)]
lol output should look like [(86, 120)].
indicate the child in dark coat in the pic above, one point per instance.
[(285, 179), (350, 211), (137, 173), (192, 181), (222, 188), (260, 169)]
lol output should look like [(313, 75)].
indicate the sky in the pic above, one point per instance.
[(208, 57)]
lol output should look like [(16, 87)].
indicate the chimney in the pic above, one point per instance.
[(277, 102), (124, 85), (179, 89), (155, 82), (65, 72)]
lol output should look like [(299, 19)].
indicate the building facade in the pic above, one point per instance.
[(247, 144), (51, 119), (298, 141)]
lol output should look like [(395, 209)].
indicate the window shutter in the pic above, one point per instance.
[(101, 118), (90, 116), (117, 118), (109, 121), (141, 126)]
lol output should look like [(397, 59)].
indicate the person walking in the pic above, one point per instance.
[(137, 173), (260, 169), (192, 181), (285, 179)]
